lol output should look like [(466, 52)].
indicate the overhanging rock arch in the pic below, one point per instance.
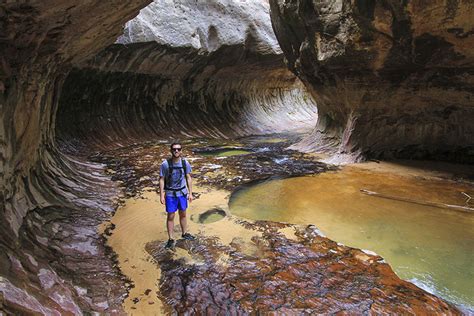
[(391, 79)]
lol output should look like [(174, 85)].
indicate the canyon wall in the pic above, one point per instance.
[(48, 215), (391, 78), (210, 69), (52, 258), (227, 93)]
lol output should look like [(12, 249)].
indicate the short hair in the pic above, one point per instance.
[(175, 143)]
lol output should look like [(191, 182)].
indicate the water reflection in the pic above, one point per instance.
[(428, 245)]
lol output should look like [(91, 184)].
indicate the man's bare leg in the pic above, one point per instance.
[(183, 222), (170, 224)]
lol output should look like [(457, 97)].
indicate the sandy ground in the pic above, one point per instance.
[(137, 222), (143, 220)]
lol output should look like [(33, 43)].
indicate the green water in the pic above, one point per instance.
[(430, 246), (213, 218), (274, 140), (209, 216), (225, 153)]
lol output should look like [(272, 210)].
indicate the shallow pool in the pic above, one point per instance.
[(428, 245), (224, 152)]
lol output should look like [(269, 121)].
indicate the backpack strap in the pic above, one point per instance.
[(183, 164), (170, 172)]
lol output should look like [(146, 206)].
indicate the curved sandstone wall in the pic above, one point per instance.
[(209, 69), (390, 78), (227, 93), (48, 216)]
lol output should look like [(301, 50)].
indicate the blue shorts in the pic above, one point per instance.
[(174, 203)]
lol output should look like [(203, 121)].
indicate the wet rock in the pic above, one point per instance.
[(108, 230), (17, 299), (287, 276), (232, 172), (53, 198)]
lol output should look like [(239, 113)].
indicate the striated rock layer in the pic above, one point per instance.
[(47, 209), (390, 78), (209, 69), (145, 90)]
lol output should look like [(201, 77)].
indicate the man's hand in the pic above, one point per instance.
[(189, 182), (162, 190)]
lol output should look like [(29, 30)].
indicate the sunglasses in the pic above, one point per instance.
[(176, 149)]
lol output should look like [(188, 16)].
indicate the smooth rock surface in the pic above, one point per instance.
[(204, 25), (390, 78), (227, 93)]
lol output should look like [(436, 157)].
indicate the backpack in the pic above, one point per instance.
[(170, 173)]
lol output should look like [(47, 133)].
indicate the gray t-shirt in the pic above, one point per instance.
[(178, 180)]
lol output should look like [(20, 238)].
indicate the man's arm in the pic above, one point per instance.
[(189, 181), (162, 190)]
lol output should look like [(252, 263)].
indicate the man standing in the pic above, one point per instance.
[(175, 191)]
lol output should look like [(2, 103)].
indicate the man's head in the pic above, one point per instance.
[(176, 149)]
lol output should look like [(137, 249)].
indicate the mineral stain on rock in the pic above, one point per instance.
[(287, 276)]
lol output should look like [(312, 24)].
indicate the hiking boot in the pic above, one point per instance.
[(170, 244), (188, 236)]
